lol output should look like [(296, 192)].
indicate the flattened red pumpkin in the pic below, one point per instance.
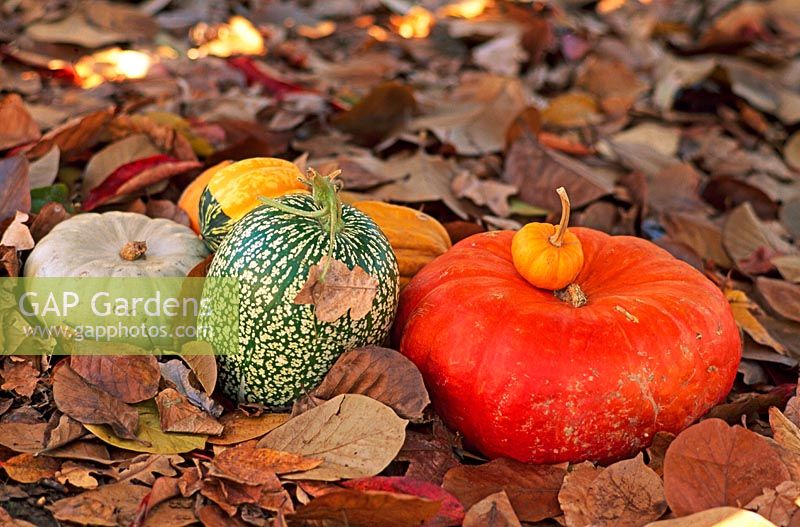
[(523, 374)]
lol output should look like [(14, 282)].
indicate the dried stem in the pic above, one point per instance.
[(561, 229)]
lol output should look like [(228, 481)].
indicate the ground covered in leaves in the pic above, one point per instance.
[(672, 120)]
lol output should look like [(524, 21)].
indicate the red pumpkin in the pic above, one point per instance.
[(522, 373)]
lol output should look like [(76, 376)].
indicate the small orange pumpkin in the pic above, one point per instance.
[(548, 256), (190, 199)]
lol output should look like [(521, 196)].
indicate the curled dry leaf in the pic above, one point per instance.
[(494, 194), (241, 427), (113, 156), (779, 505), (16, 124), (43, 171), (342, 290), (49, 216), (19, 376), (717, 517), (246, 463), (17, 234), (202, 362), (380, 373), (744, 234), (354, 435), (367, 509), (626, 494), (27, 468), (76, 475), (146, 468), (712, 464), (73, 137), (532, 489), (494, 510), (178, 415), (178, 374), (89, 404), (450, 512), (65, 431), (429, 456), (741, 307), (129, 378)]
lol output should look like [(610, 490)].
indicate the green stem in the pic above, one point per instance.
[(324, 190)]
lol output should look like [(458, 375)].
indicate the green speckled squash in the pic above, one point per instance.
[(281, 348), (233, 191)]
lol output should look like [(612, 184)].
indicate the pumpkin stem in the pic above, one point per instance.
[(133, 251), (561, 229), (325, 191), (572, 295)]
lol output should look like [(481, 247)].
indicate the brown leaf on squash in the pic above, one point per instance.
[(532, 489), (380, 373), (625, 494), (368, 509), (494, 510), (342, 290), (107, 506), (27, 468), (247, 463), (16, 125), (712, 464), (129, 378), (179, 415), (383, 112), (15, 192), (241, 427), (19, 376), (17, 234), (553, 169), (89, 404)]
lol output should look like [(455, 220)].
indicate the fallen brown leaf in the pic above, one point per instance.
[(128, 21), (109, 505), (744, 235), (246, 463), (612, 82), (10, 263), (781, 296), (532, 489), (146, 468), (129, 378), (8, 521), (367, 509), (19, 376), (48, 217), (741, 307), (475, 117), (712, 464), (22, 437), (16, 125), (15, 192), (626, 494), (383, 112), (657, 450), (380, 373), (779, 505), (65, 431), (179, 415), (420, 177), (176, 372), (202, 363), (241, 427), (88, 404), (177, 512), (73, 137), (76, 475), (342, 290), (354, 435), (27, 468), (494, 194), (17, 234), (526, 158), (494, 510), (429, 456), (213, 516)]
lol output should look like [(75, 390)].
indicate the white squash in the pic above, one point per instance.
[(104, 245)]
